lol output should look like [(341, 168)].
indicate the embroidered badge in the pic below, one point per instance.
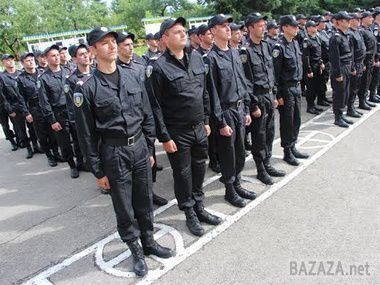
[(243, 58), (78, 99), (149, 70), (275, 53)]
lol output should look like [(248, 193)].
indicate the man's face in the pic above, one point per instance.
[(152, 43), (82, 57), (42, 60), (105, 49), (312, 30), (125, 48), (29, 62), (343, 24), (367, 21), (9, 63), (236, 36), (175, 37), (63, 55), (321, 26), (194, 39), (273, 32), (302, 22), (290, 31), (222, 32), (258, 29), (354, 23), (207, 38), (53, 58)]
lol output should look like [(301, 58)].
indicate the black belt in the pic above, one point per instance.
[(292, 83), (261, 91), (234, 105), (122, 141)]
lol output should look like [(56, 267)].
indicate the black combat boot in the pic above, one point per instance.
[(51, 160), (204, 216), (139, 265), (81, 166), (339, 122), (298, 154), (244, 193), (158, 200), (14, 144), (347, 121), (262, 174), (232, 197), (193, 223), (271, 170), (74, 173), (29, 152), (150, 246), (289, 157)]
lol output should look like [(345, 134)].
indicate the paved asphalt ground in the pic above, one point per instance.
[(312, 227)]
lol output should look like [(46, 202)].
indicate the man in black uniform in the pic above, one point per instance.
[(256, 56), (287, 61), (313, 66), (81, 57), (180, 103), (131, 61), (116, 132), (375, 82), (230, 102), (153, 51), (206, 39), (236, 35), (369, 61), (16, 108), (64, 59), (53, 102), (272, 33), (341, 67), (324, 37), (359, 52), (193, 38), (42, 64), (27, 86)]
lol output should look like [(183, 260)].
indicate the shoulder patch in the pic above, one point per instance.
[(243, 58), (275, 53), (207, 68), (148, 71), (78, 99), (305, 44), (376, 33), (66, 88), (80, 83), (38, 84)]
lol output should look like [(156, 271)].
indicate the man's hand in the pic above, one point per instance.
[(13, 114), (29, 118), (339, 79), (275, 103), (56, 127), (103, 183), (170, 146), (257, 113), (323, 67), (151, 160), (208, 130), (353, 73), (226, 131), (310, 75), (280, 101), (248, 120)]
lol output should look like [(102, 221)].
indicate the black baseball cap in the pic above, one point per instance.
[(235, 27), (74, 48), (192, 31), (219, 20), (358, 10), (272, 25), (310, 24), (318, 19), (327, 13), (355, 16), (149, 36), (52, 47), (167, 24), (25, 55), (301, 17), (202, 29), (253, 18), (288, 20), (366, 14), (156, 36), (376, 11), (38, 53), (6, 56), (342, 15), (98, 33), (122, 36), (62, 48)]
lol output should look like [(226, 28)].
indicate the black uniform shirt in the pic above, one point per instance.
[(104, 110), (177, 92), (226, 82), (340, 53), (9, 89), (369, 41), (312, 54), (359, 48), (27, 86)]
